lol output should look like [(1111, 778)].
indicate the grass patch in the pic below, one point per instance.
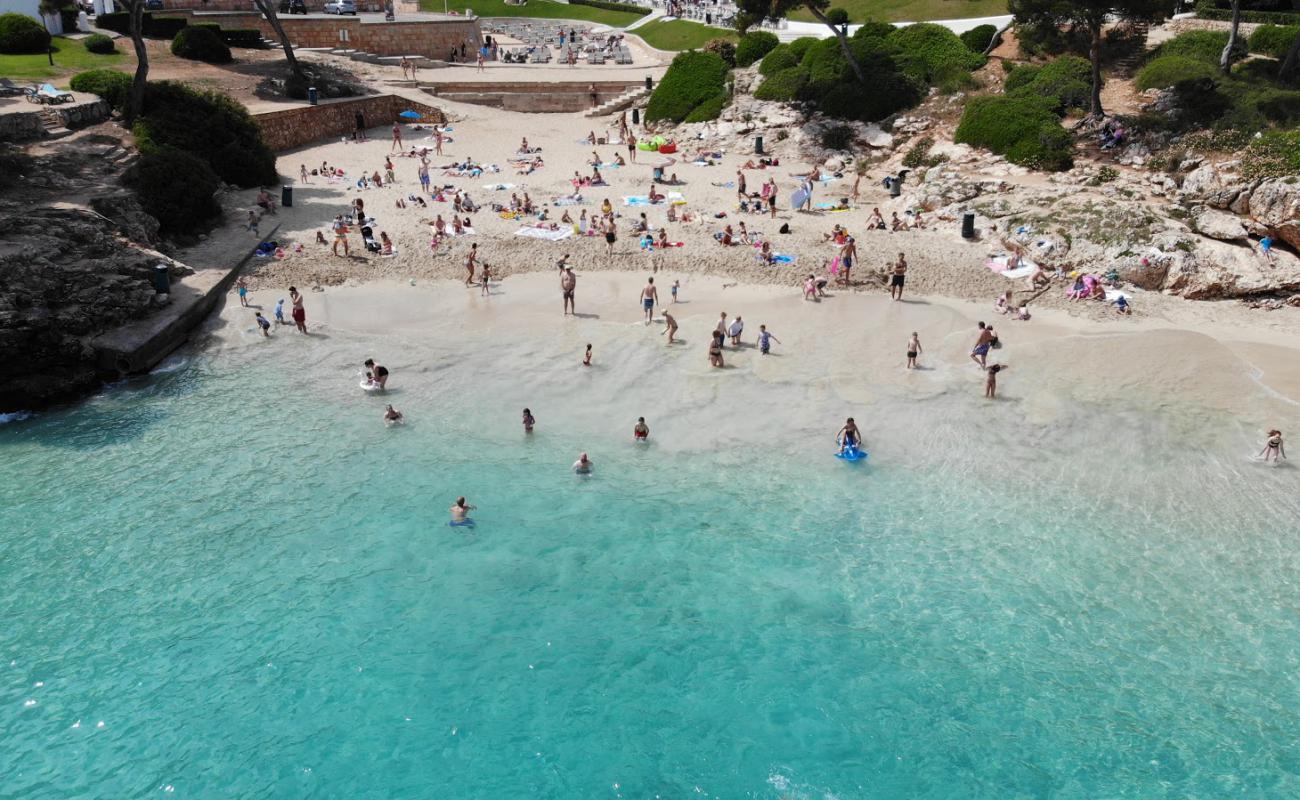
[(913, 10), (69, 57), (541, 9), (680, 34)]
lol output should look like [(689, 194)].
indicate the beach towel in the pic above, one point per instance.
[(547, 234), (570, 200), (798, 198), (781, 258), (674, 198), (1114, 294), (498, 187), (999, 263)]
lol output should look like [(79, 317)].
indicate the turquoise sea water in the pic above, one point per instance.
[(229, 580)]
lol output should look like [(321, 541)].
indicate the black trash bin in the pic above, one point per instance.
[(162, 283), (758, 145), (895, 187), (636, 116), (312, 95), (649, 84), (968, 225), (286, 196)]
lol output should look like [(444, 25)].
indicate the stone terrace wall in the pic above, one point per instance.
[(416, 37), (294, 127)]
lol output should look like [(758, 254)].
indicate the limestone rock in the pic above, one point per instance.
[(1218, 225), (1275, 204)]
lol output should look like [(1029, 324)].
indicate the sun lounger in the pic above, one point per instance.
[(10, 89), (51, 95)]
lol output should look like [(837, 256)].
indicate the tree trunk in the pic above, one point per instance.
[(1094, 54), (1225, 60), (135, 100), (844, 42), (1288, 64), (268, 9), (997, 36)]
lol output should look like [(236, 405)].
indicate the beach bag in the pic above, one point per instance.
[(785, 228)]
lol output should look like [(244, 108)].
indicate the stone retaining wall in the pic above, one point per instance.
[(83, 114), (300, 125), (558, 97), (21, 126), (415, 37), (24, 126)]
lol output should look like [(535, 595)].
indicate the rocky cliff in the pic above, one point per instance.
[(75, 260)]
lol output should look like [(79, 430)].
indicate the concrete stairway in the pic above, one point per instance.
[(619, 103)]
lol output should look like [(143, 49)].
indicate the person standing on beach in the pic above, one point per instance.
[(715, 350), (471, 261), (437, 141), (631, 146), (991, 382), (279, 312), (299, 313), (771, 197), (359, 135), (649, 296), (340, 235), (740, 185), (734, 330), (480, 60), (611, 236), (529, 421), (397, 137), (484, 277), (913, 350), (568, 282), (1273, 448), (720, 330), (670, 326), (979, 354), (897, 279), (302, 173), (765, 339), (848, 252), (423, 172), (263, 323), (242, 286)]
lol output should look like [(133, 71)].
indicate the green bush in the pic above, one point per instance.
[(924, 49), (1204, 46), (177, 188), (117, 22), (778, 59), (837, 16), (99, 43), (1209, 9), (952, 79), (1273, 40), (723, 48), (800, 46), (755, 45), (1165, 71), (919, 153), (162, 27), (1279, 106), (874, 30), (889, 93), (201, 43), (709, 109), (1023, 128), (785, 86), (208, 125), (20, 33), (691, 80), (1199, 101), (109, 84), (978, 38), (1067, 81)]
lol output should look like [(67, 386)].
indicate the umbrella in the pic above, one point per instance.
[(408, 114)]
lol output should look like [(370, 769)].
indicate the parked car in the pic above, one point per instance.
[(293, 7), (153, 5), (341, 7)]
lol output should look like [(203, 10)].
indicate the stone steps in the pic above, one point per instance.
[(53, 123), (619, 103)]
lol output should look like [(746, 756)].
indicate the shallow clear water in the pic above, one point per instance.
[(251, 584)]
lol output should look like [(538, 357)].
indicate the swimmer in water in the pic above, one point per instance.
[(1273, 449), (392, 416), (529, 421), (586, 361), (641, 431), (583, 465), (460, 511), (848, 437), (913, 350)]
